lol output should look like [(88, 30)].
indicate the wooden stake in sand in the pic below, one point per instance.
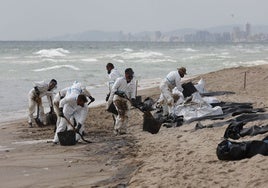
[(245, 79)]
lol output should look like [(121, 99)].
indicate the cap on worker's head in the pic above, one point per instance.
[(182, 69), (129, 71)]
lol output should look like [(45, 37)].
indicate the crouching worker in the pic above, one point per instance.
[(35, 99), (123, 90), (72, 107), (172, 80), (75, 89)]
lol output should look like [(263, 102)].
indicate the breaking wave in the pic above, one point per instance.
[(135, 55), (50, 53), (57, 67), (90, 60)]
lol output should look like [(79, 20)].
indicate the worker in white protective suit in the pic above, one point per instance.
[(35, 100), (113, 74), (172, 80), (123, 90), (72, 106), (76, 88)]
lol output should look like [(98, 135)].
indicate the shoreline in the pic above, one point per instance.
[(137, 159)]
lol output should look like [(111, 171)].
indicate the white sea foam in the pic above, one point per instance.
[(149, 61), (54, 60), (10, 57), (135, 55), (199, 56), (245, 63), (119, 60), (187, 50), (56, 67), (24, 62), (143, 54), (224, 56), (128, 50), (90, 60), (50, 53)]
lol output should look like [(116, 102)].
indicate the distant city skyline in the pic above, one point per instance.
[(37, 19)]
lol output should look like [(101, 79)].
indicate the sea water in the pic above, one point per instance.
[(22, 63)]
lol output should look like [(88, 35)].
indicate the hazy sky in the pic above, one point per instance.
[(32, 19)]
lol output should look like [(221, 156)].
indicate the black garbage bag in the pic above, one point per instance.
[(228, 150), (188, 89), (67, 138), (233, 130), (150, 124)]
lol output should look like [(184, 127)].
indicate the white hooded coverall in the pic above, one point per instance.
[(114, 74), (76, 88), (43, 89), (121, 103), (172, 80), (71, 110)]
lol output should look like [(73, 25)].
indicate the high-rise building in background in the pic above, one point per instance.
[(248, 29)]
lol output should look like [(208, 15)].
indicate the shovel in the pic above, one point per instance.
[(69, 122)]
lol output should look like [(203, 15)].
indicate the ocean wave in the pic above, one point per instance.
[(199, 56), (144, 54), (245, 63), (90, 60), (10, 57), (187, 50), (119, 60), (57, 67), (54, 52), (135, 55), (128, 50), (148, 61), (53, 60)]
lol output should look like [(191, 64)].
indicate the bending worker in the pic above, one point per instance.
[(172, 80), (123, 90), (72, 107), (35, 99), (76, 88)]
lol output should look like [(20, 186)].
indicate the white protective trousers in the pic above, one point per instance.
[(33, 105), (121, 120), (167, 98)]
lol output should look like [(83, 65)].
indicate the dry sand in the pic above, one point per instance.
[(175, 157)]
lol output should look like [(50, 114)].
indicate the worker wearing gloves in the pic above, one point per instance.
[(35, 99), (123, 90), (72, 106), (77, 89), (172, 80)]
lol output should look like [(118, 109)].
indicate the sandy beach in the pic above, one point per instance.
[(175, 157)]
